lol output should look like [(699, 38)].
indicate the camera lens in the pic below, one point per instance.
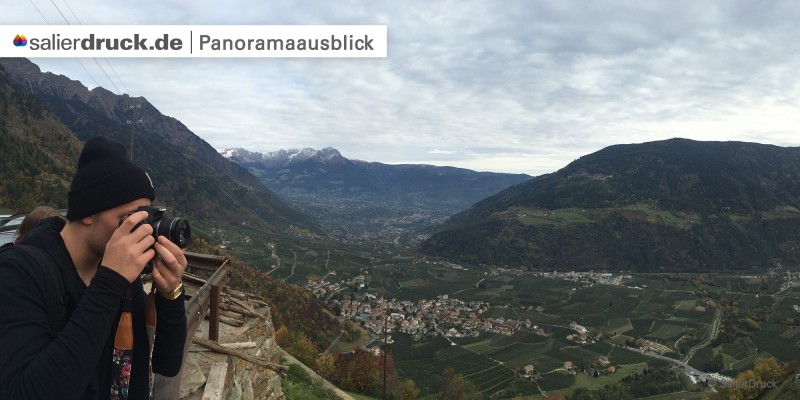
[(176, 229)]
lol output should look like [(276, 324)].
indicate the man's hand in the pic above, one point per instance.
[(128, 252), (168, 265)]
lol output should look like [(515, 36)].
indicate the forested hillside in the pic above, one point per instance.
[(38, 154), (675, 205), (190, 177)]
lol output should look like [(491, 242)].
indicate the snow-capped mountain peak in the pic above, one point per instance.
[(280, 158)]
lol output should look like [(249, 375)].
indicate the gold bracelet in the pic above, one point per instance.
[(174, 293)]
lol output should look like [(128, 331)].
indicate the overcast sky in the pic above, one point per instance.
[(507, 86)]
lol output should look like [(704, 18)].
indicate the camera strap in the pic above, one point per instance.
[(124, 336), (151, 330), (151, 309), (123, 350)]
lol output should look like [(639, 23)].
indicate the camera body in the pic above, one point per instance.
[(175, 229)]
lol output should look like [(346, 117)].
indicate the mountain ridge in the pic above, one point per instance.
[(358, 174), (668, 205), (358, 200), (188, 173), (279, 158)]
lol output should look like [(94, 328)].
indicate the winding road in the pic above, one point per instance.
[(714, 331)]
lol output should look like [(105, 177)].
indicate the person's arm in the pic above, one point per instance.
[(170, 336), (168, 267), (32, 364)]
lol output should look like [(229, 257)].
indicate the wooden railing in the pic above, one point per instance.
[(205, 300)]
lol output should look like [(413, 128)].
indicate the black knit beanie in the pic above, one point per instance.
[(105, 179)]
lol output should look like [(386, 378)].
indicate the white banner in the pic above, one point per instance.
[(193, 41)]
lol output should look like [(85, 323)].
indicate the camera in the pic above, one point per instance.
[(175, 229)]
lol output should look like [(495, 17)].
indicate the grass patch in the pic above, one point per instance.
[(299, 385), (623, 356), (687, 305), (343, 346), (557, 380), (617, 326), (591, 383), (358, 396), (564, 216), (415, 283), (668, 332)]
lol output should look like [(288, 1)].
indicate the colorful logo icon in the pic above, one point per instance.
[(20, 41)]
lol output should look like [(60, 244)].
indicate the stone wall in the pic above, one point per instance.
[(244, 380)]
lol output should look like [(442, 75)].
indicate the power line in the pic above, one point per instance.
[(40, 12), (73, 13), (117, 75), (59, 11), (134, 121), (87, 72), (76, 59), (95, 60), (104, 59), (107, 76)]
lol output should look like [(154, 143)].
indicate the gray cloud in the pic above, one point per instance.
[(515, 86)]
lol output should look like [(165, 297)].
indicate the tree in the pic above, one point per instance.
[(408, 390), (297, 344), (752, 383), (748, 388), (789, 392), (304, 349), (282, 336), (361, 372), (582, 394), (751, 325), (455, 387), (326, 365), (767, 369)]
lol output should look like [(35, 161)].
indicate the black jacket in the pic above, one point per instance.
[(76, 364)]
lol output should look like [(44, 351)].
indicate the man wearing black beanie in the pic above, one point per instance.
[(99, 253)]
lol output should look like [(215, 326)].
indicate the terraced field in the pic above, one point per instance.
[(661, 308)]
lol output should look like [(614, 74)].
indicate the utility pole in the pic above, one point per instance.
[(385, 322), (132, 122)]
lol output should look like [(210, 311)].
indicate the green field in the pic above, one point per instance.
[(583, 380), (665, 312), (658, 307), (424, 362), (568, 216), (618, 326)]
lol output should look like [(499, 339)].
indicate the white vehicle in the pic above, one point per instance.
[(8, 227)]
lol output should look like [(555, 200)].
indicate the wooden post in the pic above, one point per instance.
[(213, 321)]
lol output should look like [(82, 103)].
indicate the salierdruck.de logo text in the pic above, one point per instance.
[(135, 43)]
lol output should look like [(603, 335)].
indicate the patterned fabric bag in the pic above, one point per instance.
[(123, 351)]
